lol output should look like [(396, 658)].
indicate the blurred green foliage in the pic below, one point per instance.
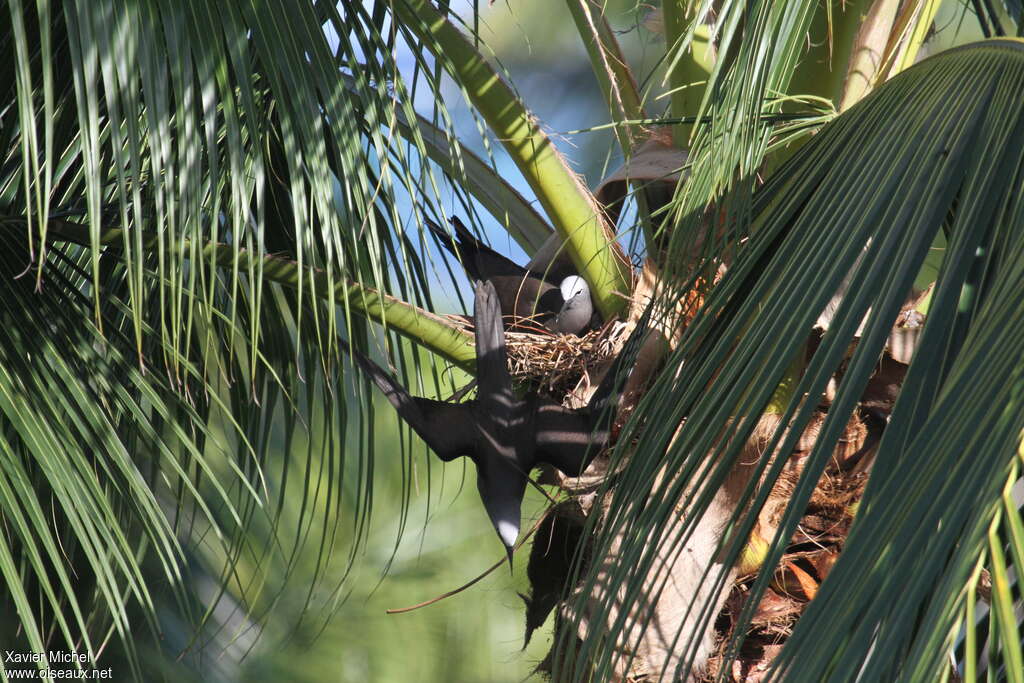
[(473, 636), (322, 621)]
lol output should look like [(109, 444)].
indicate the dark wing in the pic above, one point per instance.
[(565, 438), (570, 439), (494, 392), (448, 428), (520, 292), (527, 298), (480, 261)]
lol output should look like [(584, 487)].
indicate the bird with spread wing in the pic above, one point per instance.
[(505, 435)]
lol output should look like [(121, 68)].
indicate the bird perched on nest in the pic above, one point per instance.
[(504, 435), (564, 306)]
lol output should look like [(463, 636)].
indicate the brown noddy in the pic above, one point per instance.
[(562, 306), (504, 435)]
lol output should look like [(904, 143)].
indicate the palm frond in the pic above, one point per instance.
[(203, 154), (944, 149), (572, 209)]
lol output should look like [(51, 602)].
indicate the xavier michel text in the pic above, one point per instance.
[(51, 658)]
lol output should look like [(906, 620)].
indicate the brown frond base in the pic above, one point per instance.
[(811, 554)]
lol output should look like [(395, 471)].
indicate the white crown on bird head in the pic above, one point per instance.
[(572, 286)]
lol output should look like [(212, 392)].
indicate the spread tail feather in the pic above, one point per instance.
[(464, 235), (446, 240), (464, 246)]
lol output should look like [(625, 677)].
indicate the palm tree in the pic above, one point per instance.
[(200, 198)]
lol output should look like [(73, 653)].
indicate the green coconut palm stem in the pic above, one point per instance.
[(522, 221), (689, 64), (567, 202), (921, 25), (614, 76), (423, 327), (868, 51)]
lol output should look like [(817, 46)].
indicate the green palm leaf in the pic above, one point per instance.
[(202, 194), (938, 146), (198, 197)]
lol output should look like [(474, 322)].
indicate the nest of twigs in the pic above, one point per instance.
[(555, 363)]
